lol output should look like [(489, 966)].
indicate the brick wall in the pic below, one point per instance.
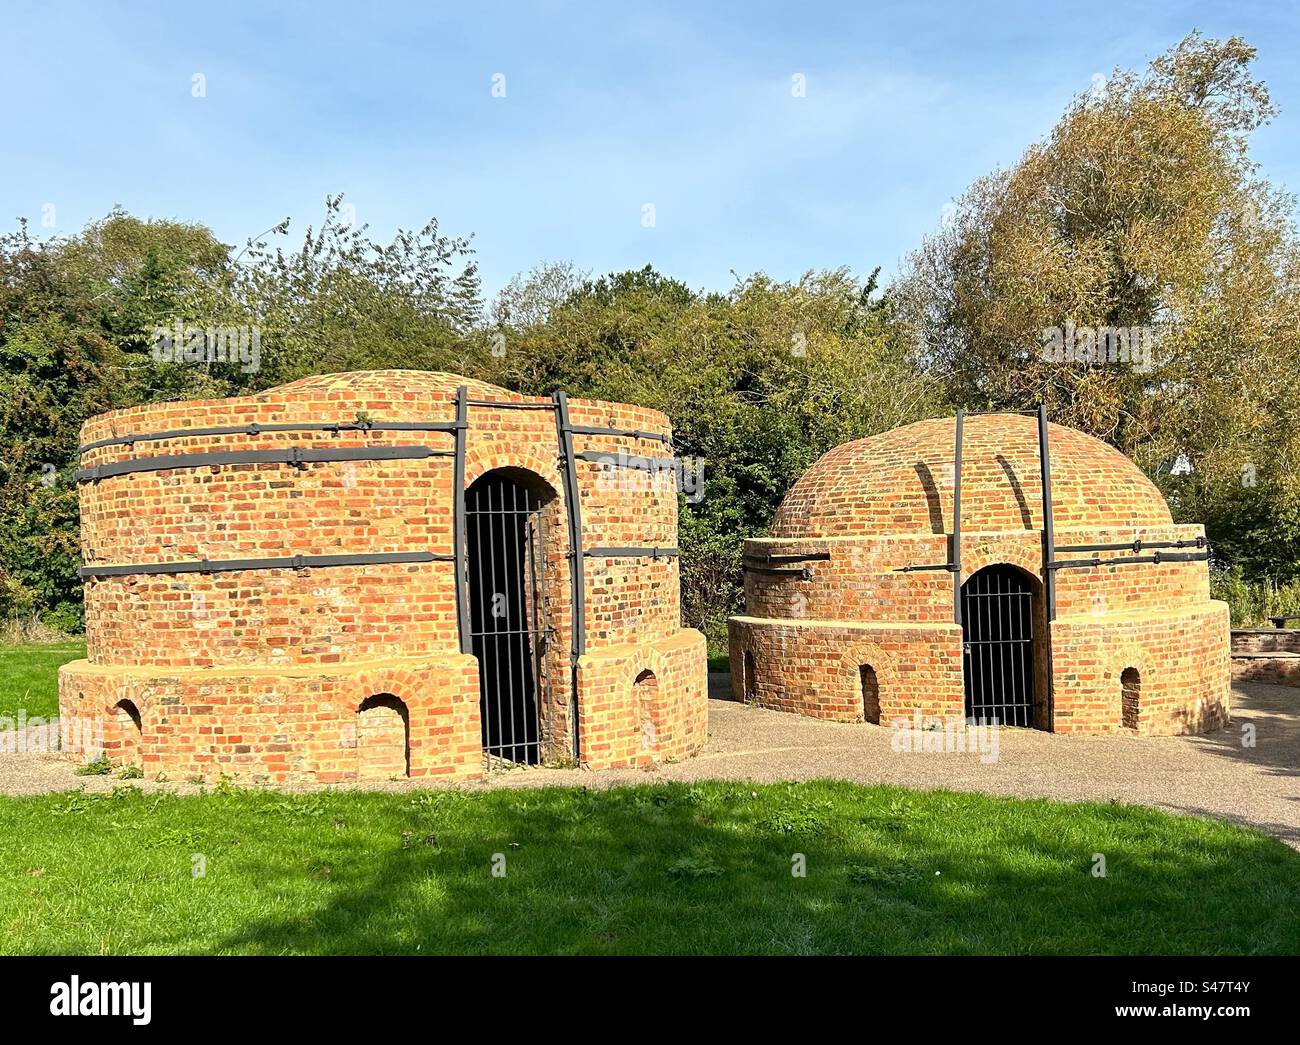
[(262, 673), (1266, 640), (1270, 655)]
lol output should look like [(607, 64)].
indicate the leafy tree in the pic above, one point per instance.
[(75, 315), (342, 301), (1141, 211), (758, 383)]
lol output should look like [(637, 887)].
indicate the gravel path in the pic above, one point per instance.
[(1215, 775)]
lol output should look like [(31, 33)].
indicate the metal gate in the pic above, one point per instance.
[(997, 606), (508, 633)]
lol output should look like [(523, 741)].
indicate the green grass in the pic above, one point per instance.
[(719, 662), (702, 868), (29, 677)]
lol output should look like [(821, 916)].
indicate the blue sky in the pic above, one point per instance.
[(607, 107)]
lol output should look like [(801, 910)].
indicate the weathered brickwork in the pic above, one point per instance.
[(1266, 640), (813, 667), (879, 505), (347, 672), (1269, 655)]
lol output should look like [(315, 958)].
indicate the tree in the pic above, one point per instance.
[(1139, 221), (343, 301), (75, 318), (81, 319), (757, 382)]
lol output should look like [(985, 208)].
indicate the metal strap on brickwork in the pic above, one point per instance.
[(954, 549), (459, 428), (564, 432), (954, 539), (1125, 560), (783, 565), (630, 553), (802, 572), (510, 404), (1049, 540), (260, 429), (577, 572), (297, 456), (773, 560), (645, 464), (1045, 470), (1134, 546), (632, 433), (289, 562)]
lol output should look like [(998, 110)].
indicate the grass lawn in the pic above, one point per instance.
[(29, 677), (702, 868)]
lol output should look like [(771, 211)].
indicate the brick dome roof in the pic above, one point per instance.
[(900, 482), (414, 382)]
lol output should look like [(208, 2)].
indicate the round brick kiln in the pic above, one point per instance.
[(272, 583), (911, 573)]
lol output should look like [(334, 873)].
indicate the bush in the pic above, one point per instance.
[(1253, 603)]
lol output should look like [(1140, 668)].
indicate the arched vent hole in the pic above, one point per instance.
[(1130, 697), (870, 694)]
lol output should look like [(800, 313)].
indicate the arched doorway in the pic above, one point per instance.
[(509, 632), (998, 610)]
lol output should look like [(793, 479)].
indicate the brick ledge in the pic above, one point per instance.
[(351, 667)]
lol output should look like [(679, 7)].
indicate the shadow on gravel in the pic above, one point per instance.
[(1273, 713)]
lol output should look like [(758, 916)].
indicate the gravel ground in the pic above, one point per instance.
[(1214, 775)]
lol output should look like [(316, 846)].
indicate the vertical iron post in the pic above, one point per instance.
[(954, 553), (458, 521), (577, 573), (1049, 541)]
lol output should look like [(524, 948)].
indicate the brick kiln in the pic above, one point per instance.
[(272, 583), (912, 572)]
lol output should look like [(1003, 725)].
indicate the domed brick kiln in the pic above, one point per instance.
[(911, 572), (272, 583)]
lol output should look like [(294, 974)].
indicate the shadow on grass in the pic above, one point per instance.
[(708, 869)]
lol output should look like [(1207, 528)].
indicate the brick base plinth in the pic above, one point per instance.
[(269, 726), (643, 702), (640, 703), (844, 672), (1181, 657), (815, 668)]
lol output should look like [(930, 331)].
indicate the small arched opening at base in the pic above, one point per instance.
[(749, 678), (123, 746), (1130, 682), (870, 688), (645, 698), (383, 738)]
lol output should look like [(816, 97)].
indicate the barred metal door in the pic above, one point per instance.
[(508, 633), (998, 649)]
